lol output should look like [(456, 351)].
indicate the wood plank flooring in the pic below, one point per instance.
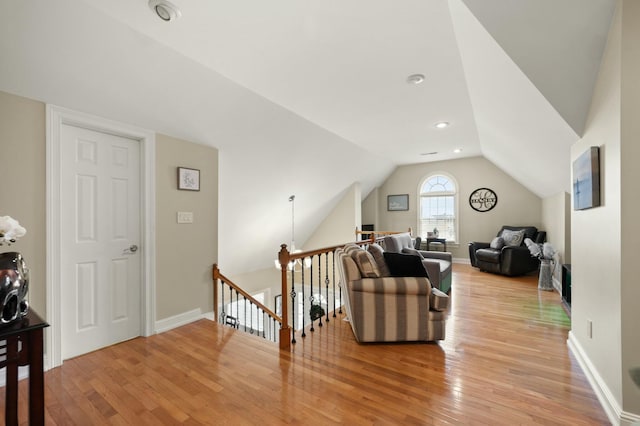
[(504, 362)]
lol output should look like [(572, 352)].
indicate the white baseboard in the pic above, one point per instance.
[(184, 318), (462, 260), (557, 285), (609, 403)]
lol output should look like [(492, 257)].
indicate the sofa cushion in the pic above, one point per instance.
[(378, 254), (488, 255), (351, 270), (438, 301), (396, 242), (404, 265), (512, 238), (497, 243), (366, 263)]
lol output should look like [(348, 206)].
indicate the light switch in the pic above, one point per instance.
[(185, 217)]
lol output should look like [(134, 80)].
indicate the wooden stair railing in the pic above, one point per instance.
[(223, 316), (298, 271)]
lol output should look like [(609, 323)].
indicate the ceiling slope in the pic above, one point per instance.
[(69, 54), (298, 96), (519, 129), (558, 45)]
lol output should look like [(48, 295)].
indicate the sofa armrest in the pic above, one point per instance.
[(517, 260), (442, 255), (438, 301), (392, 285), (473, 246)]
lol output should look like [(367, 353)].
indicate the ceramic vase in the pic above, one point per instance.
[(14, 285)]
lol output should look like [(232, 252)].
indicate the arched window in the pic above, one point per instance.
[(438, 207)]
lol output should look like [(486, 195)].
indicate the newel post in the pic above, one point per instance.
[(216, 277), (285, 330)]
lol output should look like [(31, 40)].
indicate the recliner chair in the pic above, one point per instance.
[(437, 263), (508, 260)]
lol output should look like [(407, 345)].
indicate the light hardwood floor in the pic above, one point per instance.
[(505, 361)]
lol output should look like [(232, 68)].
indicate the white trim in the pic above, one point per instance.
[(462, 260), (56, 117), (605, 396), (179, 320)]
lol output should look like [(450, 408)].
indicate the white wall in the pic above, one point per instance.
[(516, 204), (340, 225), (556, 214), (370, 209), (603, 239)]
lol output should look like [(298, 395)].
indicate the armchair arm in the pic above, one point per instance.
[(438, 301), (433, 270), (473, 246), (442, 255), (517, 260)]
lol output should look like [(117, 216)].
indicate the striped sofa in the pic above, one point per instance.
[(383, 308)]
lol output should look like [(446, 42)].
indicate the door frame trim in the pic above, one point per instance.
[(57, 116)]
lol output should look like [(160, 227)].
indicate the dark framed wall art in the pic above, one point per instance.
[(586, 179), (188, 179)]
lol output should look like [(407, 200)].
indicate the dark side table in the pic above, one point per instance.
[(442, 241), (24, 346)]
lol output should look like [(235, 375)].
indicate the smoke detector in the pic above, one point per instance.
[(165, 10)]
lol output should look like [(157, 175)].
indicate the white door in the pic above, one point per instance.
[(100, 267)]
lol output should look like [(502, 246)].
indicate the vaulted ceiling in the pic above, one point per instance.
[(297, 94)]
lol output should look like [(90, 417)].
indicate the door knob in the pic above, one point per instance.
[(133, 248)]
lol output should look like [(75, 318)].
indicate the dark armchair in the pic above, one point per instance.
[(507, 253)]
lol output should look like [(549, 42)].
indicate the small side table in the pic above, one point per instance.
[(28, 332), (442, 241)]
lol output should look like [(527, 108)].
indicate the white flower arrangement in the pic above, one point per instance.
[(541, 251), (10, 230)]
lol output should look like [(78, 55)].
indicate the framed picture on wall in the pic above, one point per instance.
[(398, 202), (586, 179), (188, 179)]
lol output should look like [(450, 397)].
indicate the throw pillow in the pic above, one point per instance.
[(497, 243), (404, 265), (412, 252), (512, 238), (378, 254), (366, 263)]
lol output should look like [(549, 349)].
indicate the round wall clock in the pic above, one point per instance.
[(483, 199)]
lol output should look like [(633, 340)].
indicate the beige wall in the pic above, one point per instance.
[(370, 209), (630, 200), (22, 192), (516, 204), (556, 214), (340, 225), (185, 252), (603, 239)]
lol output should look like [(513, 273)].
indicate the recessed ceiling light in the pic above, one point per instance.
[(415, 78), (441, 124), (429, 153), (165, 10), (457, 150)]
